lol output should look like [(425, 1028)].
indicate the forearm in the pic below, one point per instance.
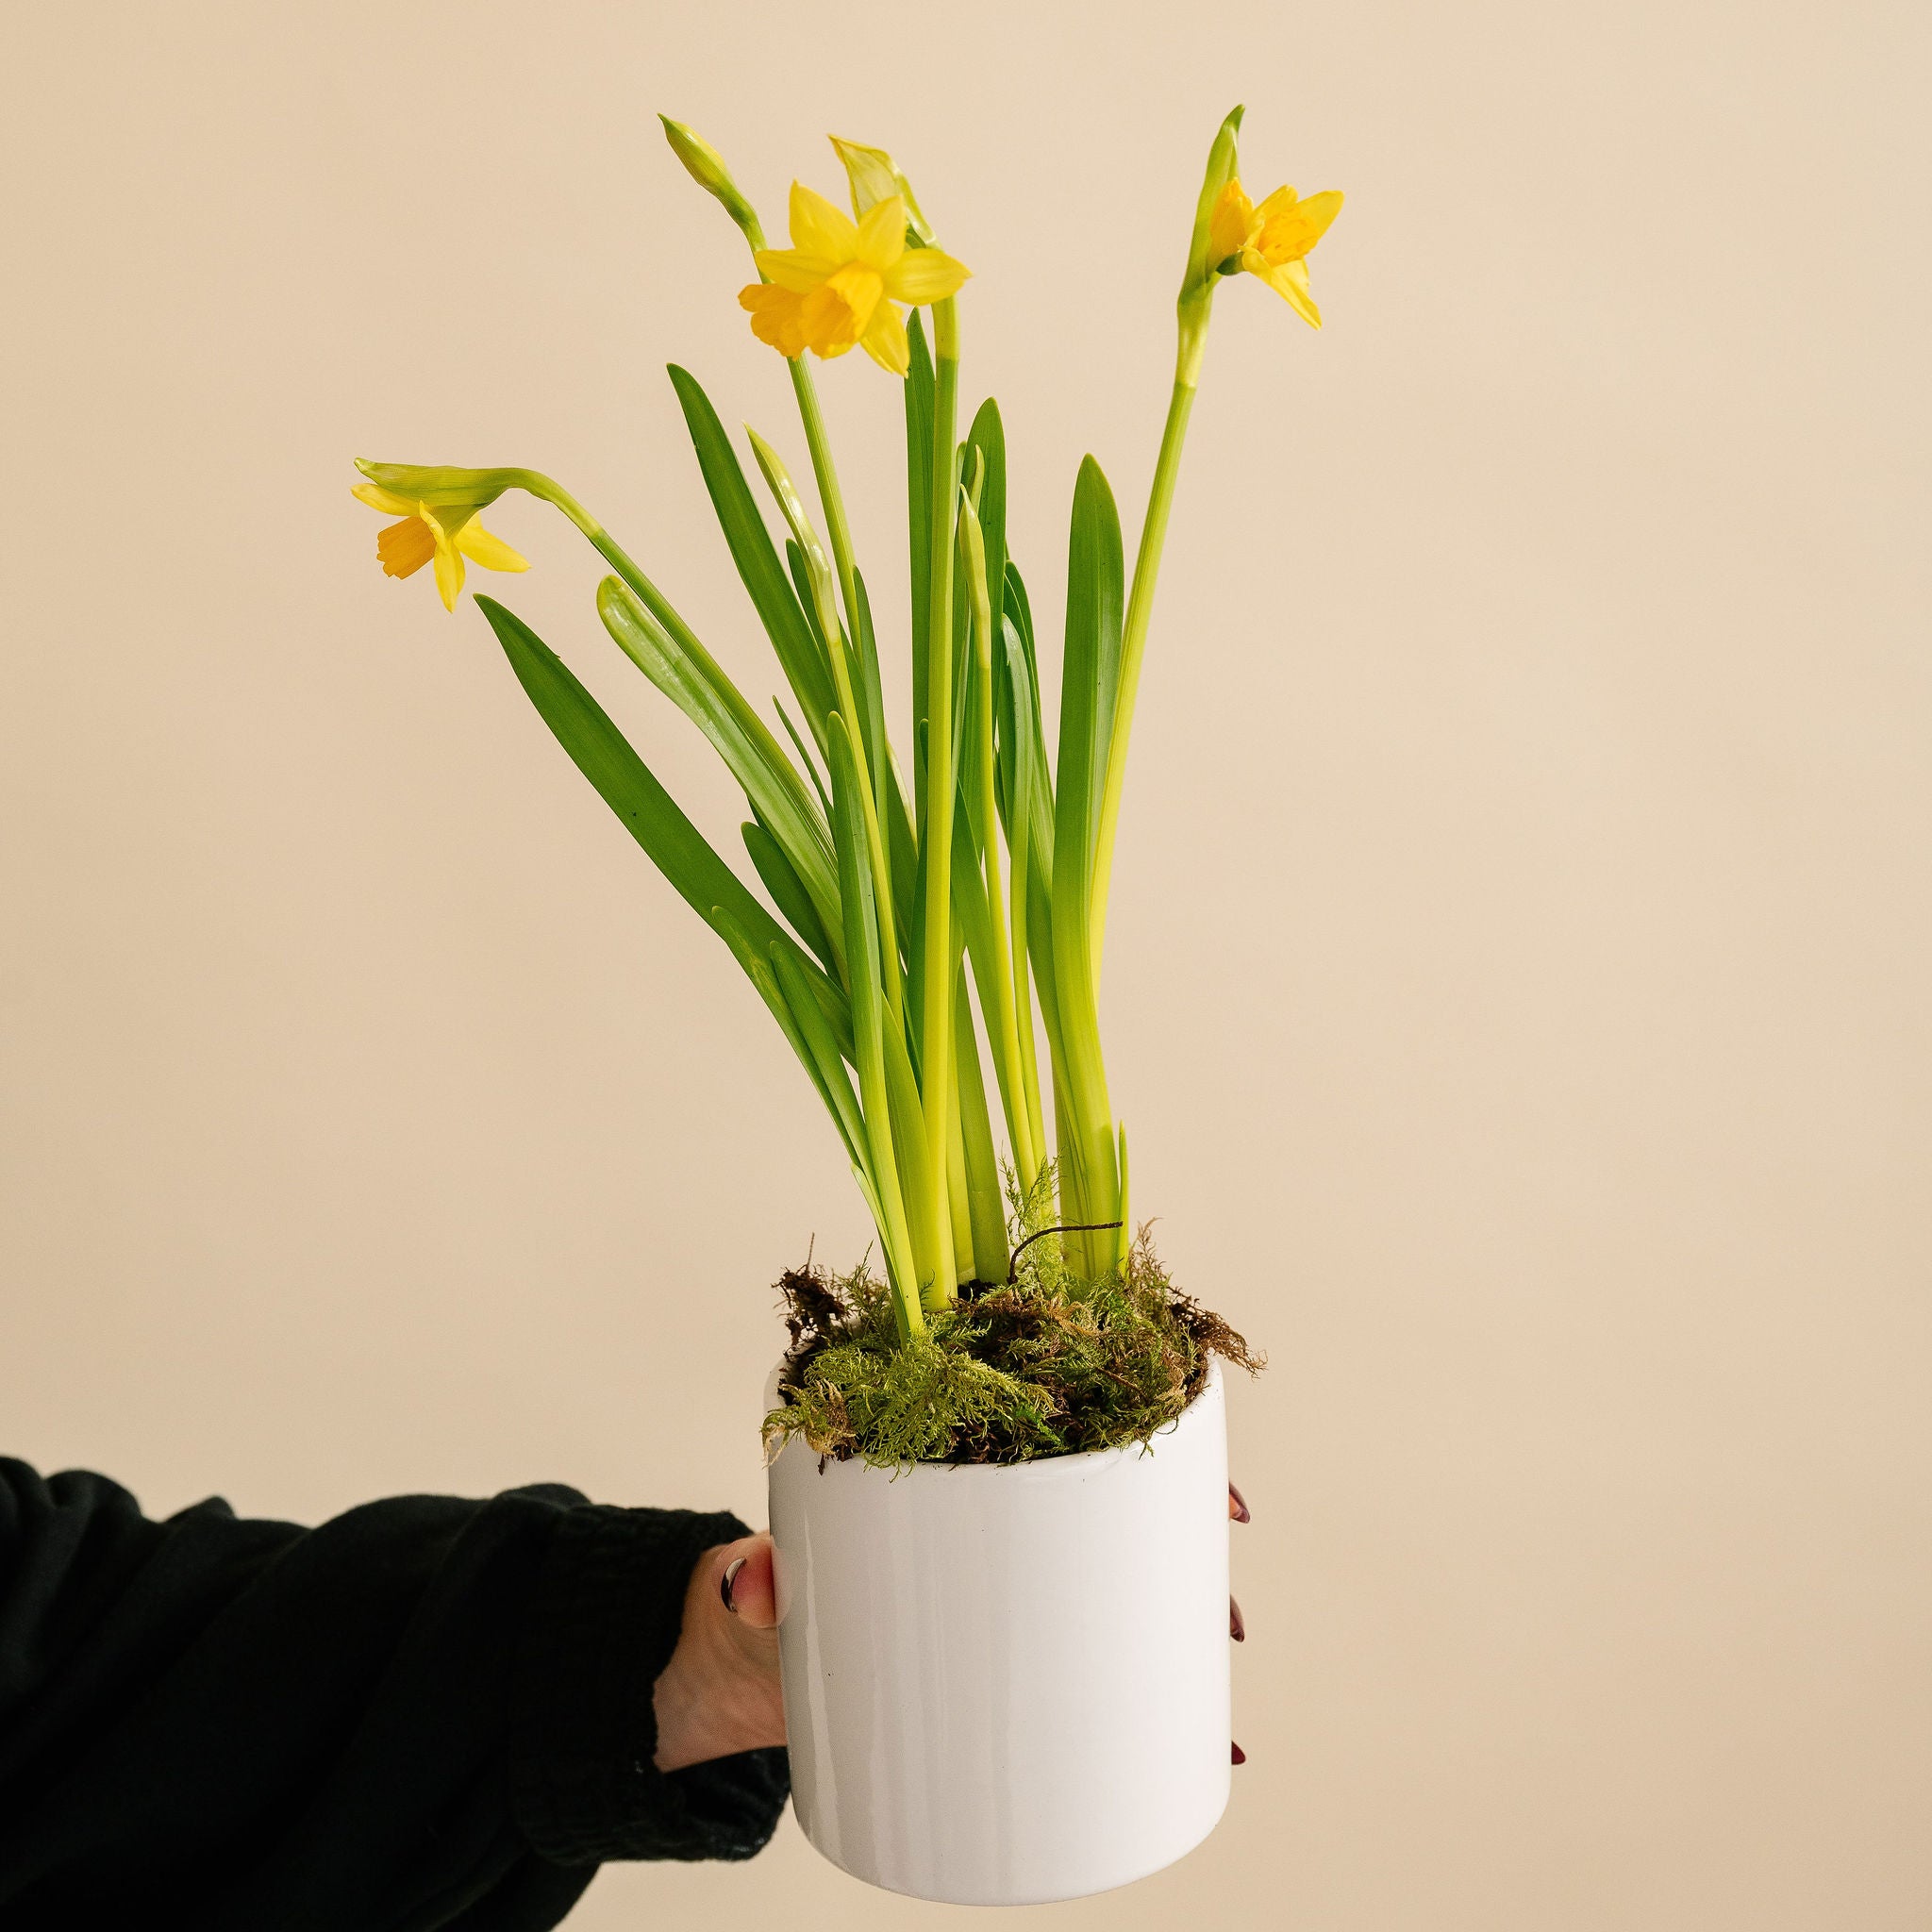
[(424, 1700)]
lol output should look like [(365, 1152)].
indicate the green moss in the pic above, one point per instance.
[(1046, 1365)]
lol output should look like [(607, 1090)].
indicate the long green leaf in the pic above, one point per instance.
[(801, 582), (985, 1202), (1018, 756), (1094, 594), (788, 890), (602, 753), (692, 679), (868, 1020), (764, 975), (824, 1062), (1019, 612), (750, 543), (909, 1147), (970, 909), (896, 821), (1033, 909), (988, 436), (805, 761)]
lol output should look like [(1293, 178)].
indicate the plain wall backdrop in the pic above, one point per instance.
[(1518, 985)]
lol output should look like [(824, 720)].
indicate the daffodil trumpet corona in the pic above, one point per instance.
[(929, 907)]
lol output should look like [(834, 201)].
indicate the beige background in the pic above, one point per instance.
[(1518, 994)]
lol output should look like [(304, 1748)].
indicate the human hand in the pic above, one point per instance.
[(720, 1693)]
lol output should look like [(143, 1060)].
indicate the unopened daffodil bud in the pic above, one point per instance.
[(706, 166), (875, 177)]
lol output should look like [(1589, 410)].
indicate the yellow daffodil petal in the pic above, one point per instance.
[(924, 275), (793, 268), (1288, 229), (885, 342), (1290, 280), (1231, 223), (449, 561), (1322, 209), (836, 314), (404, 548), (776, 316), (829, 291), (387, 501), (882, 234), (819, 228), (481, 547)]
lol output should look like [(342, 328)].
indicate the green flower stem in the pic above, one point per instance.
[(652, 599), (830, 499), (1134, 631), (938, 949), (881, 783), (607, 546)]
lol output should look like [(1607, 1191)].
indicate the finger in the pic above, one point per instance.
[(1240, 1756), (1237, 1510), (745, 1585), (1236, 1628)]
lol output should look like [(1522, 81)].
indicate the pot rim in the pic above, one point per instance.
[(1037, 1467)]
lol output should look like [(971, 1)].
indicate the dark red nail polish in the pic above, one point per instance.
[(1240, 1756), (1241, 1509), (730, 1577), (1236, 1628)]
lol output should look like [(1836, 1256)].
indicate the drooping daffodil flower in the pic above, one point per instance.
[(836, 286), (437, 510), (1271, 239)]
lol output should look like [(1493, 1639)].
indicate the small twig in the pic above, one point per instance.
[(1066, 1228)]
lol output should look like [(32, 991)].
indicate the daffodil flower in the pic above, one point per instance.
[(445, 535), (1272, 240), (836, 287)]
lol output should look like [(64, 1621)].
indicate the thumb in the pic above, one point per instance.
[(745, 1583)]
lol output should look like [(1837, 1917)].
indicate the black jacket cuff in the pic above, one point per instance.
[(608, 1605)]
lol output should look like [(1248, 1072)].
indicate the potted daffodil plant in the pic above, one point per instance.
[(997, 1455)]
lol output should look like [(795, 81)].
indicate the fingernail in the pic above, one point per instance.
[(730, 1577), (1239, 1511), (1236, 1628), (1240, 1756)]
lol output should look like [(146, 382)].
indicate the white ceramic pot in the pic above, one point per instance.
[(1009, 1685)]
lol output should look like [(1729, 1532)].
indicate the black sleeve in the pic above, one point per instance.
[(426, 1713)]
